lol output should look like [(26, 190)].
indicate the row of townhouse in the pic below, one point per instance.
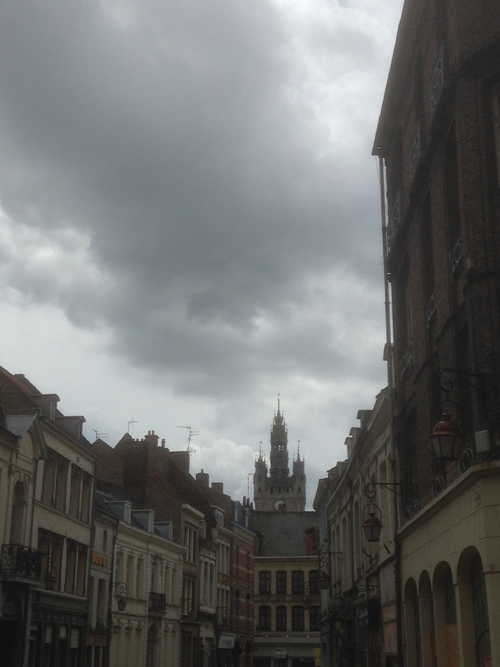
[(358, 553), (114, 557)]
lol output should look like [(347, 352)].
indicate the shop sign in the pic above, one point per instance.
[(227, 640), (99, 559)]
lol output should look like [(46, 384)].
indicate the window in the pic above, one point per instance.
[(281, 582), (313, 581), (17, 515), (187, 596), (281, 618), (427, 258), (496, 126), (265, 582), (75, 491), (190, 543), (264, 618), (51, 546), (76, 568), (155, 576), (102, 602), (55, 479), (86, 498), (314, 613), (139, 579), (404, 318), (298, 619), (452, 198), (297, 582)]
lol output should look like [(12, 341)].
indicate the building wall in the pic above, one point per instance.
[(359, 603), (438, 137), (20, 563), (280, 639), (146, 630)]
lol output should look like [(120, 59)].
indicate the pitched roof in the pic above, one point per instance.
[(283, 533), (15, 397)]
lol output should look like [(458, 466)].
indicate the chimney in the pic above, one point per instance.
[(203, 478), (152, 438), (218, 486)]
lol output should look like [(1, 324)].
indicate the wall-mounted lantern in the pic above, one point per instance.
[(446, 438), (372, 522), (120, 592)]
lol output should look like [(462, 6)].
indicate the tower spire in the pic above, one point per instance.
[(274, 487)]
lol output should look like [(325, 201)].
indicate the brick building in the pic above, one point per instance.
[(216, 624), (438, 140)]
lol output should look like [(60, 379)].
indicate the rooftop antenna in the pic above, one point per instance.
[(131, 423), (191, 434), (98, 435)]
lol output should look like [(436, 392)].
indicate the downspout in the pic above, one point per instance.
[(389, 354)]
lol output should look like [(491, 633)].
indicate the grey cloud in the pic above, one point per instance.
[(177, 138)]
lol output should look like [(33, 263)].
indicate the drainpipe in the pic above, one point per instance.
[(390, 401)]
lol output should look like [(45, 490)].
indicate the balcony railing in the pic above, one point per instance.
[(157, 602), (19, 561)]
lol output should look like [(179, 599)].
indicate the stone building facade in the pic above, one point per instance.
[(359, 601), (47, 535)]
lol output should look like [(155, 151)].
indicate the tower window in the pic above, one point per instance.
[(297, 582), (281, 582), (265, 582)]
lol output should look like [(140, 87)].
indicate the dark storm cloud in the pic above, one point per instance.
[(199, 156)]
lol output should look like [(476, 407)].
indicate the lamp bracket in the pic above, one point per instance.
[(371, 492), (448, 380), (120, 588)]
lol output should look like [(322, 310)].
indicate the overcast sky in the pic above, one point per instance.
[(189, 218)]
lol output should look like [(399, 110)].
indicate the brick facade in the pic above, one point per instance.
[(438, 139)]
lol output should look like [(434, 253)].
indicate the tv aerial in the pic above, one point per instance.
[(191, 434), (98, 435)]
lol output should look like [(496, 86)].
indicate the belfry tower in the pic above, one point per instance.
[(279, 491)]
